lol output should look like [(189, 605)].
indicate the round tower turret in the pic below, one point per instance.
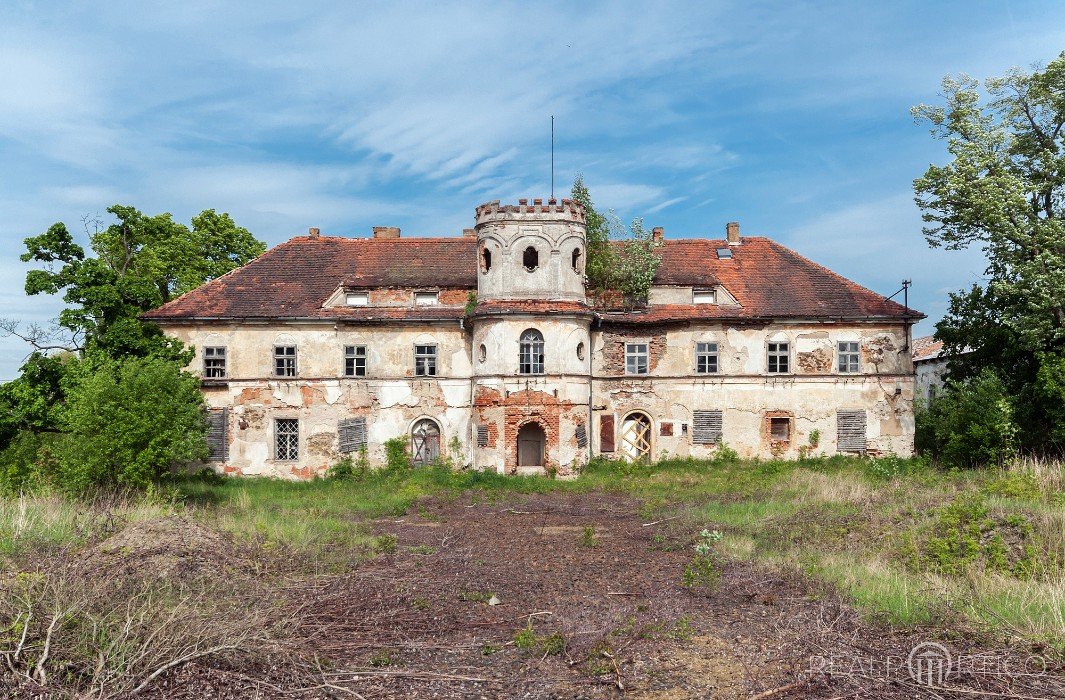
[(531, 251)]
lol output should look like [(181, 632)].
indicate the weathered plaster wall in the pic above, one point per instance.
[(930, 376)]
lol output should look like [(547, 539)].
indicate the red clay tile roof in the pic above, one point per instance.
[(926, 348), (527, 306), (294, 279)]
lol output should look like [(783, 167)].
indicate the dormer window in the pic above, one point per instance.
[(426, 298), (357, 298), (530, 259), (704, 296)]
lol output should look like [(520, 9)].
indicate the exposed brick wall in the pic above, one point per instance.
[(614, 347), (404, 296)]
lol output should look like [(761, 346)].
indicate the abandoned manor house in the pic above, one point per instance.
[(488, 349)]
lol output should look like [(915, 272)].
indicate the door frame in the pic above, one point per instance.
[(543, 444), (649, 438)]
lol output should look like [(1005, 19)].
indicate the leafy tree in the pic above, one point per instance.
[(127, 422), (970, 425), (1004, 190), (599, 267)]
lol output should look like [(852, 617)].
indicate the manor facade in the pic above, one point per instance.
[(488, 349)]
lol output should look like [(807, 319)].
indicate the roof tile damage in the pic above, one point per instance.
[(295, 278)]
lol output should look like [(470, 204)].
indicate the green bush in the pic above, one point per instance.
[(128, 423), (23, 463), (396, 454), (970, 425)]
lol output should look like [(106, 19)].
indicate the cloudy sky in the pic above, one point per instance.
[(790, 117)]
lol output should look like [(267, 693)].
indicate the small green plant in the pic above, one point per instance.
[(422, 549), (421, 604), (702, 571), (471, 303), (682, 629), (487, 649), (588, 537), (815, 438), (525, 638), (725, 454), (475, 596), (381, 658), (385, 544), (397, 456), (548, 645)]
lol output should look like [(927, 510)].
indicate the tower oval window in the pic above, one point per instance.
[(530, 259), (482, 353), (580, 351)]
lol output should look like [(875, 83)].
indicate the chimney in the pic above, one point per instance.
[(313, 232), (657, 233), (469, 233), (732, 232), (386, 232)]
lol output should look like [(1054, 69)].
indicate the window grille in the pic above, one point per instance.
[(285, 361), (636, 358), (425, 360), (706, 358), (582, 436), (287, 439), (531, 352), (482, 436), (849, 357), (706, 427), (778, 358), (351, 433), (214, 363), (354, 360)]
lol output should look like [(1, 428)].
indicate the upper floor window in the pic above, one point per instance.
[(635, 358), (530, 259), (426, 298), (849, 357), (706, 358), (425, 360), (778, 358), (357, 298), (287, 439), (285, 360), (531, 352), (575, 260), (704, 296), (486, 259), (214, 363), (354, 360)]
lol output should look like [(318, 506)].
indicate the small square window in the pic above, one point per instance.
[(425, 360), (780, 429), (849, 357), (704, 296), (636, 358), (778, 358), (287, 439), (426, 298), (285, 361), (706, 358), (357, 298), (354, 360), (214, 363)]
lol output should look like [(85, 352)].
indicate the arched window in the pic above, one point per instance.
[(486, 259), (531, 352), (576, 260), (530, 259)]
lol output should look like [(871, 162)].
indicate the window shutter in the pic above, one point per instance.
[(706, 427), (482, 436), (218, 434), (606, 433), (582, 436), (352, 434), (850, 431)]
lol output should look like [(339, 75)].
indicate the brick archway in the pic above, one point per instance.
[(531, 445)]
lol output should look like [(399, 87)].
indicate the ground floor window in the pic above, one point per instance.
[(780, 429), (287, 439)]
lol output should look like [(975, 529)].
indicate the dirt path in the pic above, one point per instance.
[(609, 616)]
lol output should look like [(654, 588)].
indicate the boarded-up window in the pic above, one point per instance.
[(606, 433), (582, 436), (665, 429), (706, 427), (850, 431), (482, 436), (218, 434), (352, 434)]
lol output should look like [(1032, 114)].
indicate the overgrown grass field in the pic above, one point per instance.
[(907, 543)]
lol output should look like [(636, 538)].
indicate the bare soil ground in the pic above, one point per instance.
[(607, 620)]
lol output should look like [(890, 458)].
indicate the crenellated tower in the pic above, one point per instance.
[(531, 251)]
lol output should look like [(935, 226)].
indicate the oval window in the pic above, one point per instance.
[(580, 351), (482, 353), (530, 259)]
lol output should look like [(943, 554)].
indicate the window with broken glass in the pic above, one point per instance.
[(706, 358), (425, 360), (214, 363), (778, 358), (354, 360), (849, 357), (531, 352), (285, 360), (287, 438), (635, 358)]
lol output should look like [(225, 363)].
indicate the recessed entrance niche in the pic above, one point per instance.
[(531, 441)]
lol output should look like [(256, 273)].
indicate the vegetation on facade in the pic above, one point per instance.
[(1002, 191)]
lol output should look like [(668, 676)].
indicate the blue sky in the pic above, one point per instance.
[(789, 117)]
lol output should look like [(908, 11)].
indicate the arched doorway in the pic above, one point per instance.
[(531, 442), (636, 436), (424, 442)]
